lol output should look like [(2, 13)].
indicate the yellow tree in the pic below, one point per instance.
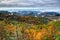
[(51, 32)]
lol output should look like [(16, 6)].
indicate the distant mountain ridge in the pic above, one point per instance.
[(14, 15), (31, 13), (46, 14)]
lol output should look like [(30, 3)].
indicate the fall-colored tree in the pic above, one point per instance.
[(51, 32)]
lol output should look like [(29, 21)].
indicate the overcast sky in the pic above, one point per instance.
[(46, 5), (29, 3)]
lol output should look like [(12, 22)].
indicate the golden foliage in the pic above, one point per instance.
[(36, 35), (41, 34), (57, 32), (19, 28), (10, 28), (51, 28), (51, 32), (1, 28)]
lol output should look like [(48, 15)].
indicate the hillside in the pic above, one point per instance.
[(16, 27)]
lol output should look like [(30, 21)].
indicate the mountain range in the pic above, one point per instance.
[(31, 13)]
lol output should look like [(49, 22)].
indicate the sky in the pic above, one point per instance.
[(29, 3), (42, 9), (41, 4)]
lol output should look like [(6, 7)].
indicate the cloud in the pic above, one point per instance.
[(29, 3)]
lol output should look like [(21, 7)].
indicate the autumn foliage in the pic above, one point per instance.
[(27, 28)]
